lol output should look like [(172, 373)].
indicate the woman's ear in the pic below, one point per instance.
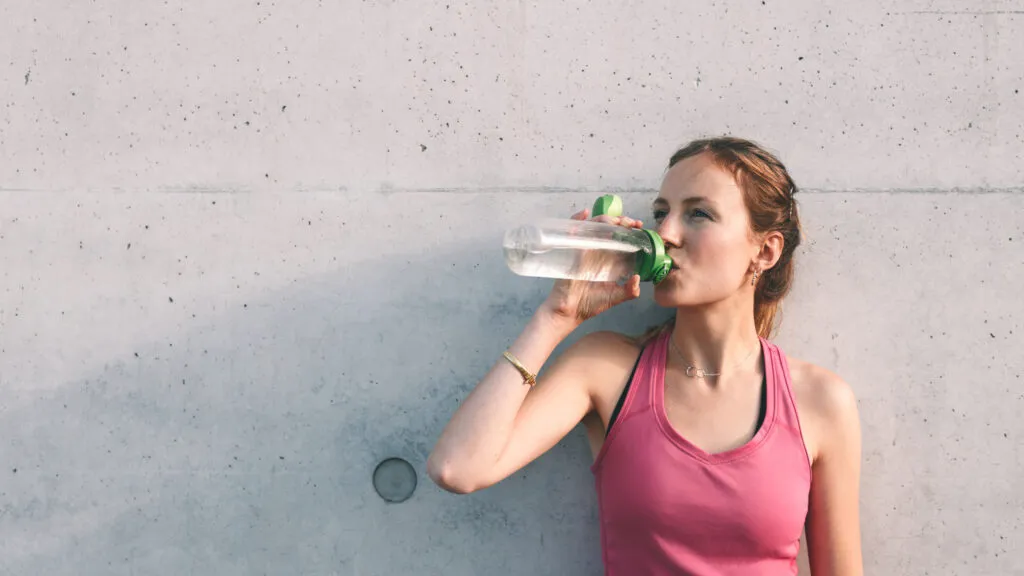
[(771, 250)]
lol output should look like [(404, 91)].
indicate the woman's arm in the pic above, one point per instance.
[(833, 519), (504, 424), (467, 453)]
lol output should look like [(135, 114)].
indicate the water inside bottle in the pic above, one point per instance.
[(587, 254)]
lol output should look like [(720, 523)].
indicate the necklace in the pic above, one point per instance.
[(695, 372)]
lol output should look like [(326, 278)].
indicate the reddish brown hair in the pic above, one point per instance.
[(768, 193)]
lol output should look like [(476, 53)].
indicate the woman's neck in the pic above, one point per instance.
[(717, 338)]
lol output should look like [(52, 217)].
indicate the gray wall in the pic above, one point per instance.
[(250, 249)]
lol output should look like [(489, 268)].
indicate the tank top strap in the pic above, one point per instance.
[(657, 361), (786, 414), (650, 369), (639, 393)]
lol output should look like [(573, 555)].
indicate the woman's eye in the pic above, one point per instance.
[(660, 214), (698, 213)]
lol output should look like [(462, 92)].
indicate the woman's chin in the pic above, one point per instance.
[(669, 294)]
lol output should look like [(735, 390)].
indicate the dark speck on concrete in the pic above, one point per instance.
[(129, 247), (169, 299), (15, 471), (423, 148), (283, 107), (27, 75)]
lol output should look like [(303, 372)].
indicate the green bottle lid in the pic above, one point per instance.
[(652, 266), (655, 265), (607, 205)]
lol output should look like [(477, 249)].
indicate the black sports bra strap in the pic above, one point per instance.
[(625, 392)]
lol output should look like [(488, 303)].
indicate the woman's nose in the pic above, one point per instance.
[(671, 232)]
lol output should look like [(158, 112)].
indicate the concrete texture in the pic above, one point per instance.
[(250, 249)]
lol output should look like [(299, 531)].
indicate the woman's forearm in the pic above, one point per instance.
[(480, 429)]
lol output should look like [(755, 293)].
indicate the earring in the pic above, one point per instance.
[(753, 279)]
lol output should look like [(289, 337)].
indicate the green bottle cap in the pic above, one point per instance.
[(651, 266), (607, 205), (655, 265)]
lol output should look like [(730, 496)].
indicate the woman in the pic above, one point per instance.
[(713, 449)]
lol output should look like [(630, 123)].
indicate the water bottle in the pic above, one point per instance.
[(586, 250)]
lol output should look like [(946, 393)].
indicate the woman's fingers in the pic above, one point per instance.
[(619, 221), (629, 291)]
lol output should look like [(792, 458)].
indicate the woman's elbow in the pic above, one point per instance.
[(444, 475)]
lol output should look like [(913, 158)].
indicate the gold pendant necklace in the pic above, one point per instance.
[(695, 372)]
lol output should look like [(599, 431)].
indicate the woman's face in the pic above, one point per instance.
[(701, 215)]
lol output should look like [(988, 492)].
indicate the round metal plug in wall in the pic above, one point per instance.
[(394, 480)]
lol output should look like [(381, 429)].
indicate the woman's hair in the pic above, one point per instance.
[(768, 194)]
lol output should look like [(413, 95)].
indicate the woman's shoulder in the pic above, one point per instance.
[(825, 402), (607, 344), (606, 359), (602, 356), (823, 389), (610, 338)]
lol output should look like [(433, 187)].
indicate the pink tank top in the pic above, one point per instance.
[(668, 507)]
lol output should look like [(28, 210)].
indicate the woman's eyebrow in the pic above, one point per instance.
[(690, 200)]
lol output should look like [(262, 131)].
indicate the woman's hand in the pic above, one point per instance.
[(580, 300)]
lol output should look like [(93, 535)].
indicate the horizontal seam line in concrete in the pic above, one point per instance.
[(960, 12), (611, 190), (495, 190)]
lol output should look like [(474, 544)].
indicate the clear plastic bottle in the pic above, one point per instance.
[(587, 250)]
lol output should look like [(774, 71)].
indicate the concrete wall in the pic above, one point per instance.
[(250, 249)]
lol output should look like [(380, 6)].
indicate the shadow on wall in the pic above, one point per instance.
[(247, 446)]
